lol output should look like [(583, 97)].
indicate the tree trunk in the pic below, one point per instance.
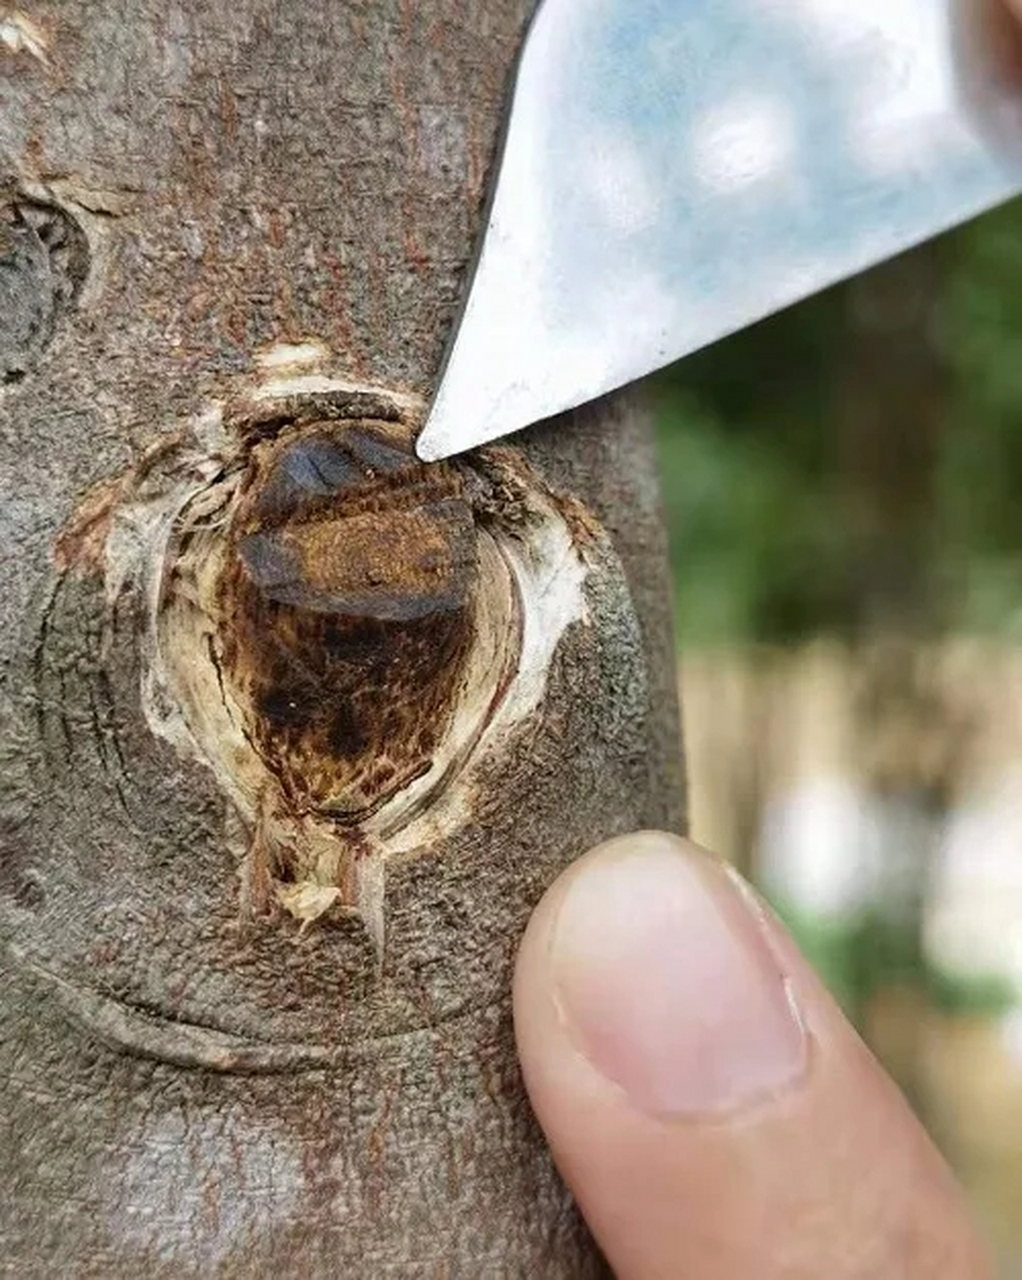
[(891, 415), (294, 730)]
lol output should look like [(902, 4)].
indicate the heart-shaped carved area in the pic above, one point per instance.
[(342, 630)]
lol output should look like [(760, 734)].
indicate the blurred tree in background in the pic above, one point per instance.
[(775, 470), (852, 467)]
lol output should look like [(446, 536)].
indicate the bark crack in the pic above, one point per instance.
[(138, 1032)]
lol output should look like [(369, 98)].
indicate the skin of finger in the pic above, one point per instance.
[(834, 1177)]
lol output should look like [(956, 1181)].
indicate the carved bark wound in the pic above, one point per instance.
[(349, 592), (346, 616), (339, 624)]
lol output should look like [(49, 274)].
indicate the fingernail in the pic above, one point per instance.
[(667, 984)]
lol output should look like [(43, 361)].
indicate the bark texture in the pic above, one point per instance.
[(186, 188)]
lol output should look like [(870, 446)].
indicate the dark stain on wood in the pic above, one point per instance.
[(348, 605)]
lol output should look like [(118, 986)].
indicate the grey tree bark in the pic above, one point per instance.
[(248, 1027)]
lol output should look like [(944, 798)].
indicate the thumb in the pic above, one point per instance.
[(714, 1114)]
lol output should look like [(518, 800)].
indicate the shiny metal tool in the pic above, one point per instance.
[(673, 170)]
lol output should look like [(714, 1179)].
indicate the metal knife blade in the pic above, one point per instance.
[(673, 170)]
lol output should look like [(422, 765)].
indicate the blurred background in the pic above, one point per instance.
[(844, 492)]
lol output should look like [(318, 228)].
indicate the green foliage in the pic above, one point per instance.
[(859, 955), (762, 524), (755, 551), (984, 995), (980, 479)]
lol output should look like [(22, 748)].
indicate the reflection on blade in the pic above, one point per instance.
[(676, 169)]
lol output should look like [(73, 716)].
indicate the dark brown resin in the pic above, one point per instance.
[(347, 590)]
